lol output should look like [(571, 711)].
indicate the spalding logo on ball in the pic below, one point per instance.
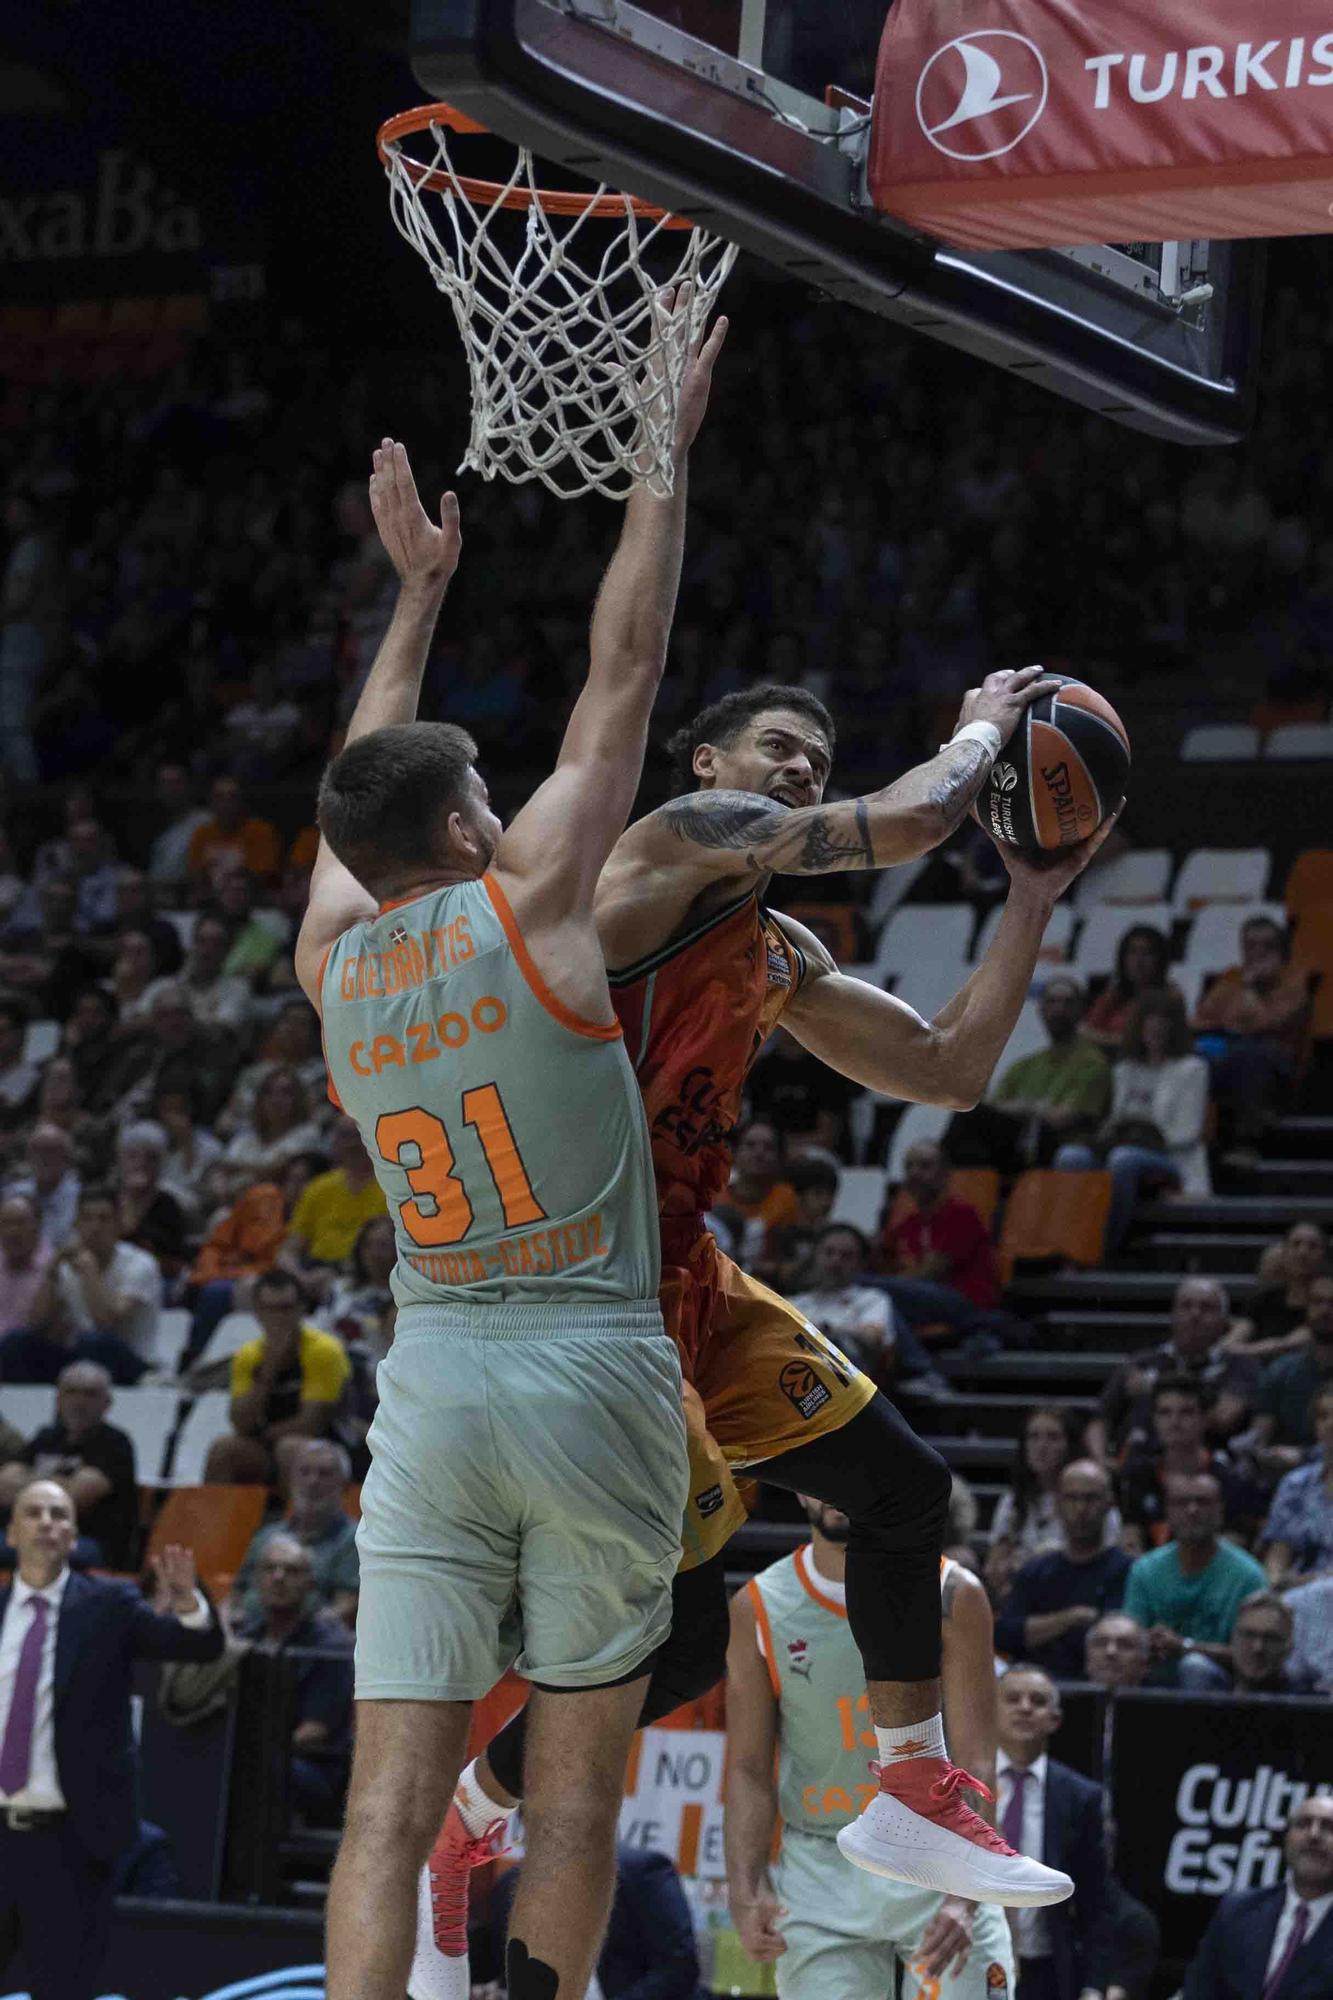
[(1065, 770)]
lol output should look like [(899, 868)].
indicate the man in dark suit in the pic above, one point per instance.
[(650, 1951), (1276, 1944), (1086, 1948), (67, 1776)]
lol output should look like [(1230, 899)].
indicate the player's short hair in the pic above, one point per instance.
[(724, 722), (382, 798), (1180, 1385)]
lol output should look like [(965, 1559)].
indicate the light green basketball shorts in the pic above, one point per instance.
[(523, 1506), (847, 1930)]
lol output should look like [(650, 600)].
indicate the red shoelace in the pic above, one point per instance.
[(449, 1871), (951, 1809)]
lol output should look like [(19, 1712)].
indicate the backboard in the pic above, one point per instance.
[(751, 117)]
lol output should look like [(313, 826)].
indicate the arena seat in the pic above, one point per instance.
[(1053, 1214), (1055, 939), (931, 984), (1028, 1037), (148, 1416), (1213, 941), (1099, 940), (1220, 743), (217, 1523), (173, 1330), (28, 1406), (41, 1040), (919, 1121), (924, 933), (1220, 875), (229, 1334), (1296, 740), (1141, 876), (208, 1417), (1310, 882), (860, 1198), (1312, 949)]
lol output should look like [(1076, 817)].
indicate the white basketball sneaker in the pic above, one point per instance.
[(440, 1964), (918, 1828)]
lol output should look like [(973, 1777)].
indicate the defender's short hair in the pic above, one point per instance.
[(724, 722), (381, 799)]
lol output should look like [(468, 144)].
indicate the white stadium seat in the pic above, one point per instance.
[(182, 922), (1099, 940), (1221, 875), (1140, 876), (41, 1040), (919, 1121), (28, 1406), (1220, 742), (924, 933), (229, 1334), (1214, 936), (1300, 739), (1055, 939), (860, 1198), (1028, 1037), (931, 984), (148, 1416), (173, 1330), (209, 1417)]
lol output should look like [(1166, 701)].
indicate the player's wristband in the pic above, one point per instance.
[(984, 733)]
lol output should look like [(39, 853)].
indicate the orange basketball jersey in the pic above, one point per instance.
[(695, 1015)]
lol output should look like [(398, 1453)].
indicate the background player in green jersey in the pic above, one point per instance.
[(795, 1684), (405, 818)]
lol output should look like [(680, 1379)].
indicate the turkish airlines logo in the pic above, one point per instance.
[(985, 91)]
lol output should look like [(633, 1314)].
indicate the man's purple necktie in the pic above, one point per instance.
[(16, 1751), (1011, 1826), (1295, 1939)]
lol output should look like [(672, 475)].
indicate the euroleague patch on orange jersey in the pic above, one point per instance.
[(802, 1388)]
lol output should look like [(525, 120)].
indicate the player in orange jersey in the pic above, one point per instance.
[(701, 970)]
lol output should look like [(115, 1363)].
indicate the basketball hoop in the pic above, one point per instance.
[(574, 354)]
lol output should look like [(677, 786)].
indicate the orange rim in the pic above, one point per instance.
[(553, 201)]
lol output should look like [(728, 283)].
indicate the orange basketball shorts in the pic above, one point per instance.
[(759, 1380)]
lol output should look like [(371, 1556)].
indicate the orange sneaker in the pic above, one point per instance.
[(919, 1828), (440, 1966)]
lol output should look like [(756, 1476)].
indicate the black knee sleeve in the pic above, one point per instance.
[(690, 1660), (894, 1489)]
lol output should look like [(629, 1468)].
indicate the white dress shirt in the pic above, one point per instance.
[(42, 1792), (1033, 1932), (131, 1274), (1315, 1912)]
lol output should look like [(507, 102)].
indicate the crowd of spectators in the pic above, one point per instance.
[(191, 591)]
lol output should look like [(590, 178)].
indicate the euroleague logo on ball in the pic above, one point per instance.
[(1004, 778), (986, 90)]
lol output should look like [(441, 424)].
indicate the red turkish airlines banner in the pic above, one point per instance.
[(1018, 123)]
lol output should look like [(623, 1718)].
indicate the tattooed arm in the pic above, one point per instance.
[(866, 1034)]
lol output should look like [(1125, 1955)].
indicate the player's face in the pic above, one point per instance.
[(782, 755), (830, 1522)]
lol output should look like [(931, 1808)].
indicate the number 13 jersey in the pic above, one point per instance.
[(507, 1133)]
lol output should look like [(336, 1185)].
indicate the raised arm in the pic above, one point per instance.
[(742, 834), (425, 557), (554, 850), (880, 1042)]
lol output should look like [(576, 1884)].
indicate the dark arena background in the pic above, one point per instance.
[(1120, 1261)]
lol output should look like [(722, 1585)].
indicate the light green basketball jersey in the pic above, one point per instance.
[(508, 1135), (826, 1736)]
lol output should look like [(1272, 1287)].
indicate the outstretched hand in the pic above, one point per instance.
[(696, 382), (420, 552), (1051, 872)]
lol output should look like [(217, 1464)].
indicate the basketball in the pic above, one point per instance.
[(1061, 773)]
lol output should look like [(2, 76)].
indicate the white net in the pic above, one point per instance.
[(574, 355)]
